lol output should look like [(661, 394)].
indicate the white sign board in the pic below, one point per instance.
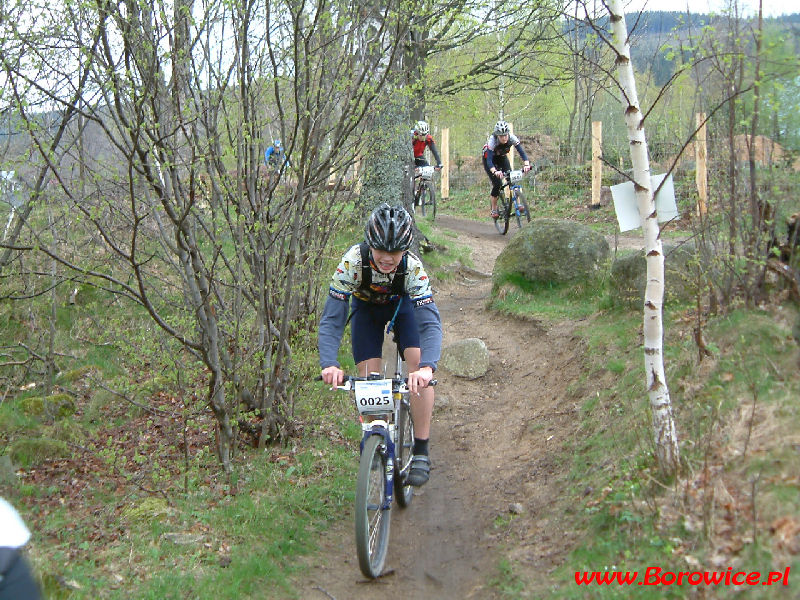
[(628, 211)]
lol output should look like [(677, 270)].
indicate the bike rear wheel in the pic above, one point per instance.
[(404, 446), (372, 518)]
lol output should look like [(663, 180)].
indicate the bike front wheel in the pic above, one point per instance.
[(428, 201), (404, 492), (501, 223), (522, 208), (372, 510)]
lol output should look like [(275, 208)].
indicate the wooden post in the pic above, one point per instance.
[(701, 166), (597, 164), (444, 191)]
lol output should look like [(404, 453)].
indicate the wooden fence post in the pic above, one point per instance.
[(701, 166), (597, 163), (445, 172)]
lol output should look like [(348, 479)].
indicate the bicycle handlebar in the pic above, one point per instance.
[(349, 381)]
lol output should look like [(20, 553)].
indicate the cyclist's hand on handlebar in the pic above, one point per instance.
[(332, 375), (526, 167), (419, 379), (438, 167)]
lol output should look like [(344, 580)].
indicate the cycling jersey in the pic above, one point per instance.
[(493, 148), (419, 149), (275, 154), (346, 282)]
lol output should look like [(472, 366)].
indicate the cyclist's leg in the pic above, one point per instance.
[(421, 403), (496, 183), (501, 163)]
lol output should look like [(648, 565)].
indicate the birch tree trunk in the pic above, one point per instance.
[(664, 435)]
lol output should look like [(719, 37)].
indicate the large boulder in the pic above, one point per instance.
[(629, 276), (467, 358), (552, 251)]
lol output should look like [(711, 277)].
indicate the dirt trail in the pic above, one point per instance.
[(493, 492)]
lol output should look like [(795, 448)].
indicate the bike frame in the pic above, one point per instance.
[(388, 431), (420, 183), (516, 187)]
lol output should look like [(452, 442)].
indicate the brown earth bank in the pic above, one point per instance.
[(497, 488)]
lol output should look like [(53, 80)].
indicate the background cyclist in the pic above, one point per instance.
[(275, 157), (421, 139), (495, 159), (382, 281)]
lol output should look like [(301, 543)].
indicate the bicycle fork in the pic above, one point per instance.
[(389, 452), (515, 199)]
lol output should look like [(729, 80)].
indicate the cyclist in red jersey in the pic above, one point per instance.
[(422, 139)]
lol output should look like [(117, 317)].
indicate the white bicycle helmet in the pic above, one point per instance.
[(422, 128), (502, 128)]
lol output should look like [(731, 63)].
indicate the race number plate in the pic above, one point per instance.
[(515, 176), (426, 172), (374, 396)]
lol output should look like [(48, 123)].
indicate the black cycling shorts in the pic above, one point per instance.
[(368, 325), (503, 164)]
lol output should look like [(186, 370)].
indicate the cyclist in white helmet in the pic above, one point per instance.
[(495, 159), (421, 139)]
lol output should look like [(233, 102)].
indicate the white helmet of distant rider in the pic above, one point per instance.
[(502, 128), (422, 128)]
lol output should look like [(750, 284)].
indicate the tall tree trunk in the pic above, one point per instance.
[(664, 433)]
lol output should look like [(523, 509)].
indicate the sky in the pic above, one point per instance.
[(772, 8)]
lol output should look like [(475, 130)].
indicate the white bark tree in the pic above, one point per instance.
[(664, 433)]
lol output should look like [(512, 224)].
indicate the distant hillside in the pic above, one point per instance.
[(651, 30)]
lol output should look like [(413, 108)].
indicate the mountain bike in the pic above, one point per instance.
[(511, 202), (424, 195), (386, 448)]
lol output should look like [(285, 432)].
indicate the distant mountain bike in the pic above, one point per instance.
[(386, 449), (511, 202), (424, 194)]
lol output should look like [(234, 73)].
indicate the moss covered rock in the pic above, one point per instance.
[(55, 406), (147, 509), (28, 452), (552, 251)]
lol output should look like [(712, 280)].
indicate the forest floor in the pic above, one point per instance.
[(494, 497)]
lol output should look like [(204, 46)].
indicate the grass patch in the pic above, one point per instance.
[(468, 203), (202, 544), (731, 413), (449, 252), (516, 296)]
